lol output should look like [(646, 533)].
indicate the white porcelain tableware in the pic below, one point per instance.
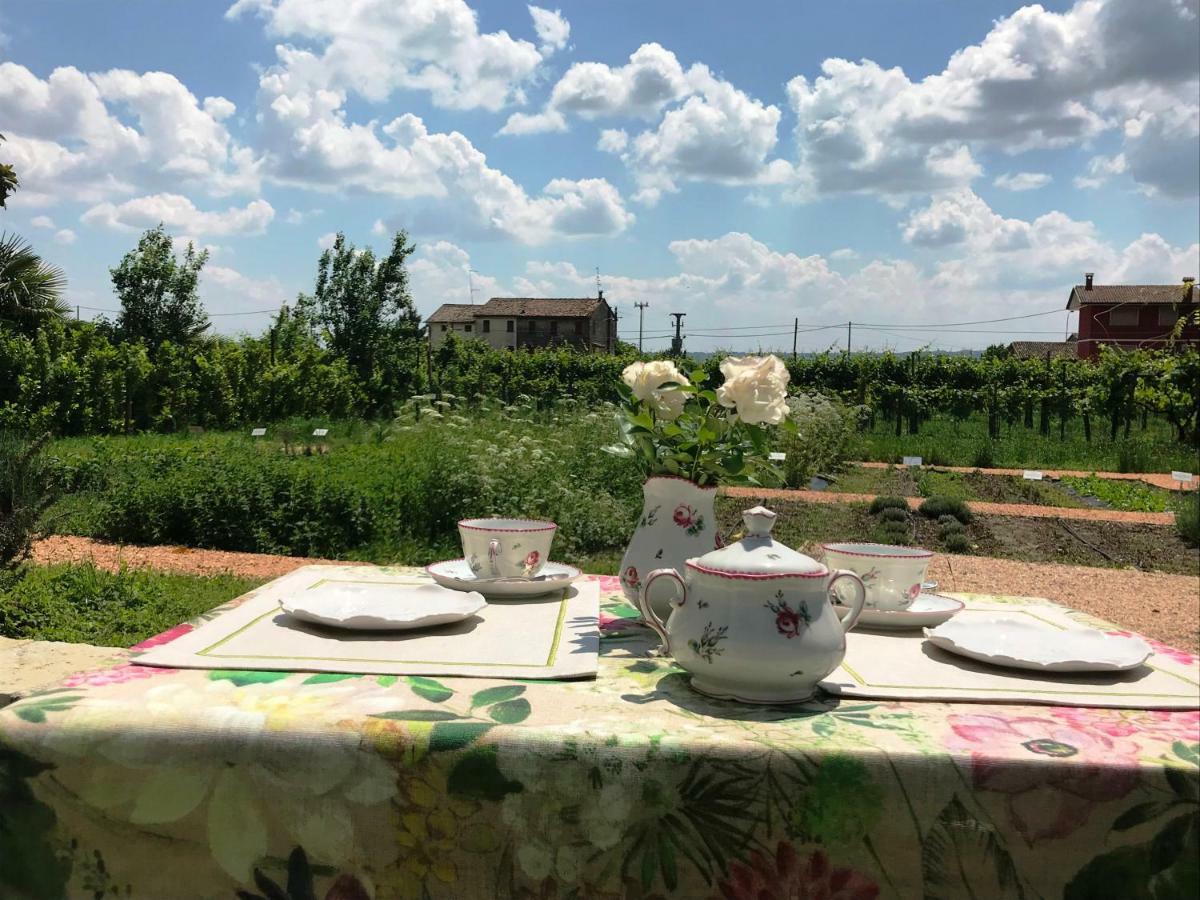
[(1020, 643), (456, 574), (892, 575), (506, 548), (363, 606), (753, 621), (927, 611)]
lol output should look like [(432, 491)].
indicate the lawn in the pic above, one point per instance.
[(85, 605)]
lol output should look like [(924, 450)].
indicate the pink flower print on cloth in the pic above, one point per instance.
[(1072, 767), (165, 638), (1173, 653), (1161, 724), (116, 675), (609, 584)]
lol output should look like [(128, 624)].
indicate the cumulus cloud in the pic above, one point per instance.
[(64, 236), (88, 137), (325, 241), (224, 290), (375, 47), (552, 29), (1038, 79), (300, 216), (178, 213), (1022, 181), (42, 222)]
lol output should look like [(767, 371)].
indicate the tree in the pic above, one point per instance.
[(8, 181), (159, 293), (30, 288), (365, 310)]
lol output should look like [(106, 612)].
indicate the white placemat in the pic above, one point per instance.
[(556, 636), (902, 666)]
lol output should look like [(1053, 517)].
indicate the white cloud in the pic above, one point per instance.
[(87, 137), (375, 47), (300, 216), (844, 253), (1038, 79), (1100, 169), (520, 123), (379, 229), (612, 140), (224, 290), (64, 236), (178, 213), (42, 222), (552, 29), (325, 241), (1022, 181)]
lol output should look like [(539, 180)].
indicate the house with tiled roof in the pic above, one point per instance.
[(515, 323), (1134, 316), (1045, 349)]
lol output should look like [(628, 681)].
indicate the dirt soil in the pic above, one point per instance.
[(1156, 479)]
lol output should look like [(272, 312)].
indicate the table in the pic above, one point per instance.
[(171, 783)]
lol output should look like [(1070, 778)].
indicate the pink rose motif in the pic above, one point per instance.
[(609, 584), (631, 577), (1050, 797), (1160, 724), (913, 592), (165, 638), (684, 515), (531, 559), (116, 675), (784, 873)]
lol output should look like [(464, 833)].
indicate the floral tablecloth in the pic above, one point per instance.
[(162, 783)]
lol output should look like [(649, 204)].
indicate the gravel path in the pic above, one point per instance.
[(1165, 607), (1157, 479), (1027, 510)]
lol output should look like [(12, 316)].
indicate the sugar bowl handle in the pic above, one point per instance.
[(860, 598), (648, 614)]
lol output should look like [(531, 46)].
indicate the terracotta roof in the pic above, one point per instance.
[(454, 312), (1131, 293), (1042, 349), (541, 307)]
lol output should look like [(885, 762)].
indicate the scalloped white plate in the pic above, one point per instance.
[(1022, 644), (362, 606), (926, 611), (457, 575)]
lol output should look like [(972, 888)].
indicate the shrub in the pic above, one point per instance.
[(879, 504), (25, 494), (1133, 456), (892, 514), (891, 533), (937, 457), (1187, 519), (984, 456), (936, 507), (824, 434), (947, 519), (956, 542)]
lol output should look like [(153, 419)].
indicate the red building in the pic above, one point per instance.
[(1133, 316)]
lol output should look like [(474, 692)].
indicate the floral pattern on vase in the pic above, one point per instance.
[(668, 541)]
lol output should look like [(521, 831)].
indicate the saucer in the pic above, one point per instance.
[(456, 574), (1020, 644), (363, 606), (926, 611)]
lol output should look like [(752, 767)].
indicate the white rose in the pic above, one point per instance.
[(756, 386), (646, 380)]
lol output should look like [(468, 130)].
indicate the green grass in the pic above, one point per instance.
[(1136, 496), (941, 441), (83, 604)]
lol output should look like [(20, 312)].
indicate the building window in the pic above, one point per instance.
[(510, 325), (443, 328), (554, 326), (1168, 316), (1123, 316), (467, 327), (487, 325), (532, 326), (579, 326)]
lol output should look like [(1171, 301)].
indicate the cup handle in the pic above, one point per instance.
[(856, 607), (493, 553), (647, 611)]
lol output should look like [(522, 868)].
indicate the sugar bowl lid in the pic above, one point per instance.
[(758, 554)]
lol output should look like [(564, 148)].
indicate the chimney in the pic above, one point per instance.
[(599, 294), (1087, 280)]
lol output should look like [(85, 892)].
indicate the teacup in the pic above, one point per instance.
[(891, 575), (506, 548)]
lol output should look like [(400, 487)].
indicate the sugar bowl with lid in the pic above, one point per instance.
[(753, 621)]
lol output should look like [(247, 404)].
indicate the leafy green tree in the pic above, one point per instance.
[(159, 292), (30, 288), (8, 181), (365, 313)]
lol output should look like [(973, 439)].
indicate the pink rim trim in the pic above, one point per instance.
[(462, 559), (755, 576), (681, 478), (911, 554), (908, 612), (542, 523)]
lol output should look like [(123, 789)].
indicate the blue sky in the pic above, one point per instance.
[(896, 163)]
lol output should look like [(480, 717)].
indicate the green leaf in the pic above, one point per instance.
[(34, 714), (1182, 783), (495, 694), (387, 680), (1138, 815), (1168, 844), (31, 864), (1189, 753), (666, 862), (328, 678), (447, 736), (418, 715), (649, 864), (242, 678), (510, 712), (962, 857), (477, 775), (824, 727), (429, 689)]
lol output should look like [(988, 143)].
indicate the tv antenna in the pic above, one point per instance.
[(471, 285)]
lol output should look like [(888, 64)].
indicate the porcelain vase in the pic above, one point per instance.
[(678, 523)]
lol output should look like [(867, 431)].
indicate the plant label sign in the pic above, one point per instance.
[(320, 432), (1032, 475), (778, 457), (912, 460), (258, 432), (1182, 477)]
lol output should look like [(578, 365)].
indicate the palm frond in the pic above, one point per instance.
[(30, 288)]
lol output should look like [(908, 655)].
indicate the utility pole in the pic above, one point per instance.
[(677, 341), (641, 320), (795, 334), (849, 334)]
